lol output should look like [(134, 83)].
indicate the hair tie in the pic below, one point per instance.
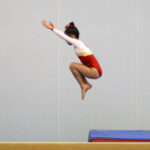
[(71, 25)]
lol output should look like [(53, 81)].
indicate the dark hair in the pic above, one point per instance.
[(72, 30)]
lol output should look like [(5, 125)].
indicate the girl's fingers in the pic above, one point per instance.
[(50, 23), (44, 21)]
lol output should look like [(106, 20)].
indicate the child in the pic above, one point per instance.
[(90, 67)]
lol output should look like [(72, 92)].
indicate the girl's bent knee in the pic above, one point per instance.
[(72, 65)]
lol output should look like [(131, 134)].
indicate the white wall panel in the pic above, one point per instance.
[(143, 103), (28, 71)]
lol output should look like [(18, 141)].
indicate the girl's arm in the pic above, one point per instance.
[(59, 33)]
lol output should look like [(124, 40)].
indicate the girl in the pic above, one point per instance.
[(90, 67)]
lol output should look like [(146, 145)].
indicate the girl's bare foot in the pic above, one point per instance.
[(84, 89)]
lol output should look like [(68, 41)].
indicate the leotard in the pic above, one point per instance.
[(83, 52)]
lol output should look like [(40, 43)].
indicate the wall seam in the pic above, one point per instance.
[(58, 109), (137, 63)]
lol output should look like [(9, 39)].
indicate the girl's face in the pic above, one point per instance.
[(72, 36)]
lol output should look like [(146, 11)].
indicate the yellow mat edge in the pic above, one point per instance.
[(75, 143)]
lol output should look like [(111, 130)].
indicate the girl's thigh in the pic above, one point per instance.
[(86, 71)]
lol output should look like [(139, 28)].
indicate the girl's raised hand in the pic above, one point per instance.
[(48, 25)]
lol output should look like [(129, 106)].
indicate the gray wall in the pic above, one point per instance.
[(39, 98)]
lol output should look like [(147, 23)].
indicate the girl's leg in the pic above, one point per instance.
[(81, 71)]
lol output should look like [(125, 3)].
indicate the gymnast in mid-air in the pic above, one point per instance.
[(89, 68)]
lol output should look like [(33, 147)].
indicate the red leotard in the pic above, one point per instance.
[(91, 61)]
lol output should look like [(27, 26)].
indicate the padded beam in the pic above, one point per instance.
[(74, 146), (119, 136)]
